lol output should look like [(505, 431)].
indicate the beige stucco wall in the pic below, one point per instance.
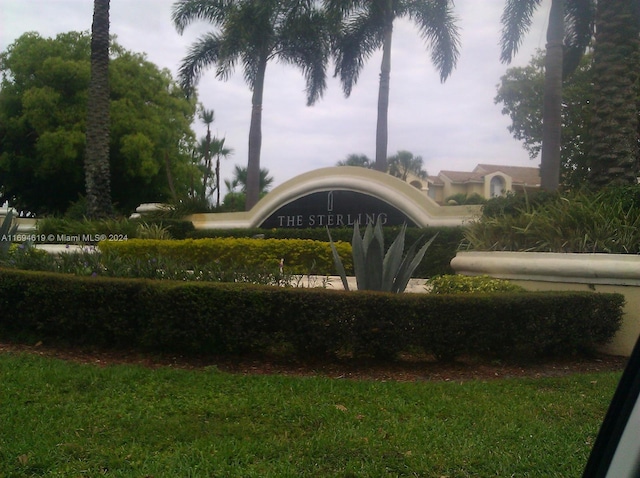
[(618, 273)]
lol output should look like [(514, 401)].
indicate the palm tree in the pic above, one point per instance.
[(253, 32), (404, 163), (240, 180), (207, 117), (613, 157), (568, 35), (367, 26), (96, 162), (359, 160), (219, 150)]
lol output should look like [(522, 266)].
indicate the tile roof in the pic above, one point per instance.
[(519, 174)]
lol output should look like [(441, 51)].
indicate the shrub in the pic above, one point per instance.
[(436, 261), (300, 256), (198, 318), (582, 221), (455, 284), (375, 268)]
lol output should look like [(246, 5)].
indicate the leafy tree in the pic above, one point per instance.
[(367, 26), (404, 163), (43, 104), (521, 94), (568, 35), (252, 32), (360, 160), (614, 153), (96, 163)]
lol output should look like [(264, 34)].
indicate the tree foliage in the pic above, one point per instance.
[(569, 33), (366, 27), (521, 94), (253, 33), (43, 103)]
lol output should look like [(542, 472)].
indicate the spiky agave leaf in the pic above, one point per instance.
[(374, 257), (7, 230), (392, 260), (338, 262), (410, 263), (358, 250)]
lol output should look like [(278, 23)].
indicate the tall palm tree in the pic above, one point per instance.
[(253, 32), (219, 150), (614, 128), (367, 26), (207, 117), (568, 35), (96, 162)]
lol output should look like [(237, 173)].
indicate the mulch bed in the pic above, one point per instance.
[(406, 369)]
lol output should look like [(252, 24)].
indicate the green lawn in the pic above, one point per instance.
[(60, 419)]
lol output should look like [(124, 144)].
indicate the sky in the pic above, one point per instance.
[(453, 125)]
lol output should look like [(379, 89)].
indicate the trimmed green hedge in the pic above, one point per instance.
[(200, 318), (301, 256), (436, 261)]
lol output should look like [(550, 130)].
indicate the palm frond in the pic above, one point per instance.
[(361, 36), (202, 54), (304, 42), (437, 25), (185, 12), (516, 20), (579, 26)]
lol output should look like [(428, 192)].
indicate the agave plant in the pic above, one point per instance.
[(7, 231), (375, 270)]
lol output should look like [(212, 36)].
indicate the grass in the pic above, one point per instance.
[(63, 419)]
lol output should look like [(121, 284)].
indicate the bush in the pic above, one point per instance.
[(455, 284), (300, 256), (436, 260), (607, 221), (197, 318)]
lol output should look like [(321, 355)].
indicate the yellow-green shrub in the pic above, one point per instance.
[(456, 284), (301, 256)]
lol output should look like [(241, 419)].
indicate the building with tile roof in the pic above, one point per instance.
[(486, 181)]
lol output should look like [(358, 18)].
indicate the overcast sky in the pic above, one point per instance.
[(453, 126)]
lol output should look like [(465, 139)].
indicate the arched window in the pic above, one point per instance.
[(497, 186)]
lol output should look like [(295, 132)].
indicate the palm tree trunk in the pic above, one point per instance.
[(613, 157), (255, 138), (96, 163), (218, 180), (207, 162), (382, 129), (552, 100)]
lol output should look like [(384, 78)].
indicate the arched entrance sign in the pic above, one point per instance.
[(339, 197), (335, 209)]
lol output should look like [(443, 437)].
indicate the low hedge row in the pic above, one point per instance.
[(200, 318), (436, 261), (301, 256)]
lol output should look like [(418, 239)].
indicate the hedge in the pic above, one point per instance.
[(301, 256), (213, 318), (436, 261)]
